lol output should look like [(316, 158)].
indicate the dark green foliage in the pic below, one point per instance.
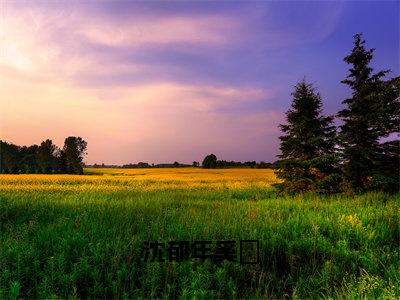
[(264, 165), (307, 133), (386, 107), (73, 153), (367, 155), (308, 163), (210, 162), (371, 113), (381, 182), (9, 158), (46, 158), (27, 159), (320, 174), (62, 167)]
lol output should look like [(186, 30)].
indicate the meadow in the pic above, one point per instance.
[(71, 236)]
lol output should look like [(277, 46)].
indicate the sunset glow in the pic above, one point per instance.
[(160, 82)]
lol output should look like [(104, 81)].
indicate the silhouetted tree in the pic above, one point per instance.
[(196, 164), (307, 133), (9, 157), (175, 164), (364, 118), (62, 167), (46, 157), (28, 162), (264, 165), (73, 154), (309, 137), (210, 162)]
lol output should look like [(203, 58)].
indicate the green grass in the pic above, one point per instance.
[(80, 244)]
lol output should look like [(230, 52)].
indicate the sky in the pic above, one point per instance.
[(174, 81)]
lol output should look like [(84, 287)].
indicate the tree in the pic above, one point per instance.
[(46, 157), (386, 164), (175, 164), (62, 167), (307, 133), (210, 162), (28, 162), (308, 143), (72, 154), (9, 154), (363, 117), (386, 107), (195, 164)]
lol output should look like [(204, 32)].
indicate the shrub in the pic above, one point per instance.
[(320, 174), (384, 183)]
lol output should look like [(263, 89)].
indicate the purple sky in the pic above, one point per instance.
[(166, 81)]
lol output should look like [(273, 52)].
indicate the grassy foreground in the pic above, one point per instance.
[(81, 236)]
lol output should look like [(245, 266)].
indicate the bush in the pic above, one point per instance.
[(320, 174), (383, 183)]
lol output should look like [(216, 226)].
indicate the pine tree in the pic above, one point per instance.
[(309, 137), (359, 135), (308, 133)]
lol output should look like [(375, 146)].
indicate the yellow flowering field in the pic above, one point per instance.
[(142, 179)]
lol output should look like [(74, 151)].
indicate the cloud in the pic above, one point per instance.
[(139, 32), (145, 86), (175, 117), (75, 42)]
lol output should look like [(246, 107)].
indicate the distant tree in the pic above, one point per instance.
[(28, 162), (46, 157), (264, 165), (9, 157), (366, 117), (308, 142), (62, 166), (143, 165), (175, 164), (73, 153), (210, 162), (195, 164)]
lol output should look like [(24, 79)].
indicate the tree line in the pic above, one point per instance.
[(358, 155), (141, 165), (211, 162), (45, 158)]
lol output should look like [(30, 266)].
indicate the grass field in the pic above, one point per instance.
[(66, 236)]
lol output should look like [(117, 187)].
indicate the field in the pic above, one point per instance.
[(67, 236)]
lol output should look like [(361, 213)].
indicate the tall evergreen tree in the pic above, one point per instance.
[(308, 138), (308, 133), (385, 174), (362, 118)]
